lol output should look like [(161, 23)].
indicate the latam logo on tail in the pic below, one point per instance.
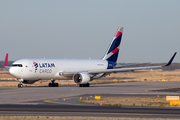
[(43, 67), (113, 51)]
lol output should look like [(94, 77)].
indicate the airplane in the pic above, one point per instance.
[(81, 71)]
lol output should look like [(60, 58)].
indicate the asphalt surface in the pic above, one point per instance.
[(167, 90), (14, 95), (62, 101), (95, 111)]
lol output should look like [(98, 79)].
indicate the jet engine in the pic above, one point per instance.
[(81, 78), (29, 81)]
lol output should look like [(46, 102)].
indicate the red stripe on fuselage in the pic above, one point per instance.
[(118, 34), (115, 50)]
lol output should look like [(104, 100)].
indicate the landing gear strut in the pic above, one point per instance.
[(52, 84), (84, 85)]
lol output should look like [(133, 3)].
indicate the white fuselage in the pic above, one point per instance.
[(47, 69)]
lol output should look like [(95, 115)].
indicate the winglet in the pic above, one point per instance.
[(170, 61), (6, 61)]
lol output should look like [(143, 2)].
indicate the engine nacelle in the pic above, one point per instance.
[(29, 81), (81, 78)]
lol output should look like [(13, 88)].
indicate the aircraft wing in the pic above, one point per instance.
[(133, 68), (121, 69)]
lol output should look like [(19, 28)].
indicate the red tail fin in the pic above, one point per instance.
[(6, 61)]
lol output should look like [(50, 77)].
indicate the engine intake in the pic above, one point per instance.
[(81, 78)]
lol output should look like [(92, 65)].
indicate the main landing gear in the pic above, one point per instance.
[(84, 85), (52, 84)]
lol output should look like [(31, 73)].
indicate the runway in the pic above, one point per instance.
[(14, 95), (62, 101), (95, 111)]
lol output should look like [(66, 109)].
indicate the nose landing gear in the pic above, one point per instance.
[(20, 85)]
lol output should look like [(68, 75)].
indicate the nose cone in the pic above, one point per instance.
[(13, 71)]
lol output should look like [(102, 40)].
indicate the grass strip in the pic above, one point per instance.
[(143, 101)]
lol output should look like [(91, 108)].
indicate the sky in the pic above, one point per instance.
[(83, 29)]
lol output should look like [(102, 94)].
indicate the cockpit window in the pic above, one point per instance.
[(17, 65)]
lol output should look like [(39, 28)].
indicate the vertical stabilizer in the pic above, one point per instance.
[(6, 61), (113, 51)]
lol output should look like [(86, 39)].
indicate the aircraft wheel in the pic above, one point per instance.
[(84, 85), (50, 84), (56, 85), (53, 85), (20, 85)]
